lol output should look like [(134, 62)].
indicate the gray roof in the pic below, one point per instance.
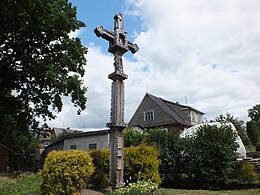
[(60, 131), (170, 108)]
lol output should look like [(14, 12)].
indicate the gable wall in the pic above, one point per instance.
[(160, 116)]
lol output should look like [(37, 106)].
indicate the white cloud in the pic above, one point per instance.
[(205, 50), (208, 51), (76, 33)]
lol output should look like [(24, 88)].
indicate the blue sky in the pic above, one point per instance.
[(100, 13), (206, 51)]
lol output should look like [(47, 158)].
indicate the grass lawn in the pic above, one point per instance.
[(27, 184), (30, 184), (207, 192)]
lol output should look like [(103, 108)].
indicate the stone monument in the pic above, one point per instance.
[(118, 45)]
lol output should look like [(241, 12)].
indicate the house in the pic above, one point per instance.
[(155, 112), (48, 136), (5, 154), (97, 139)]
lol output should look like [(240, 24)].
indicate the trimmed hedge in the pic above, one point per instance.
[(141, 163), (65, 172), (100, 178)]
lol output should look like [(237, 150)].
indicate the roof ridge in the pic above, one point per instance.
[(178, 104), (163, 105)]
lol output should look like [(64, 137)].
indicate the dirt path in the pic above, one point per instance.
[(94, 192)]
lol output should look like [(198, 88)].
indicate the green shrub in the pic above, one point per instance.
[(24, 184), (250, 148), (257, 147), (100, 178), (170, 148), (141, 163), (133, 137), (253, 131), (247, 173), (65, 172), (209, 155), (140, 187)]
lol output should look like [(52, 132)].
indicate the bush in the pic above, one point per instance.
[(247, 173), (170, 148), (253, 131), (257, 147), (141, 163), (100, 178), (133, 137), (24, 184), (65, 172), (140, 187), (209, 155)]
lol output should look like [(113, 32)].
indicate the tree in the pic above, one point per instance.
[(39, 63), (133, 137), (210, 153), (254, 113), (253, 131), (239, 125)]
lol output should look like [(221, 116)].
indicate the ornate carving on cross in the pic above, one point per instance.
[(118, 45)]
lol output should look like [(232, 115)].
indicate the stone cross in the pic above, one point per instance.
[(118, 45)]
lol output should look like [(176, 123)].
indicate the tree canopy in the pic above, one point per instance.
[(254, 113), (239, 125), (209, 155), (39, 62)]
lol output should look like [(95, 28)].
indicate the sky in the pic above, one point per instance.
[(203, 53)]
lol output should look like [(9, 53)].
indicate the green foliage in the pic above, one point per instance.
[(247, 173), (133, 137), (253, 131), (140, 187), (254, 113), (209, 155), (24, 184), (170, 148), (39, 63), (100, 178), (239, 125), (250, 148), (142, 163), (257, 147), (157, 137), (65, 172)]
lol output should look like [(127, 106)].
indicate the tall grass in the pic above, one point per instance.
[(26, 184)]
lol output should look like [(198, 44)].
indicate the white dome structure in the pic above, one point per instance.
[(241, 150)]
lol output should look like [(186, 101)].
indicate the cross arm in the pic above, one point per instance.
[(132, 47), (105, 34)]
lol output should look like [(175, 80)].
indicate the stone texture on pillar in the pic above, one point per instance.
[(118, 45)]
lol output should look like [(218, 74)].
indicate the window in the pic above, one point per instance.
[(73, 147), (196, 118), (193, 117), (92, 146), (149, 115)]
